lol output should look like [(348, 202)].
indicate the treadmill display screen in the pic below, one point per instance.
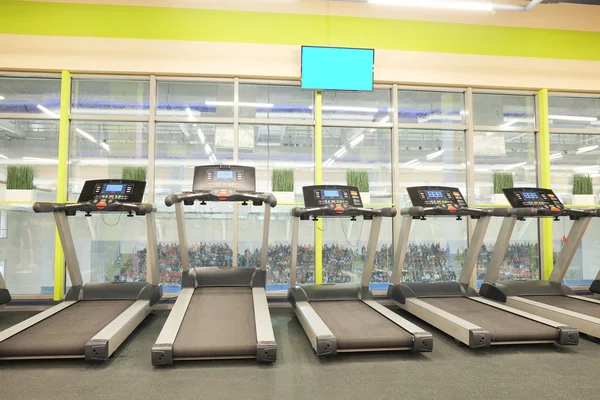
[(435, 194), (114, 189), (531, 196), (332, 194), (225, 174)]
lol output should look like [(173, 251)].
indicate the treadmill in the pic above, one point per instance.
[(344, 317), (4, 294), (551, 298), (454, 307), (95, 318), (221, 312)]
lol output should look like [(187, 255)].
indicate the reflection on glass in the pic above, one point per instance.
[(362, 107), (30, 96), (503, 111), (275, 102), (278, 147), (110, 247), (103, 149), (433, 158), (359, 149), (574, 112), (27, 250), (195, 99), (419, 107), (180, 147), (574, 155), (503, 153), (584, 266), (110, 96), (33, 145)]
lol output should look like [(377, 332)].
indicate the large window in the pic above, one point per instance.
[(504, 146), (575, 176), (110, 96), (195, 99)]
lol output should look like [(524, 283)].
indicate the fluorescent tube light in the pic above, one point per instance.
[(555, 156), (340, 152), (45, 110), (586, 149), (411, 163), (434, 155), (357, 140), (105, 146), (207, 148), (3, 156), (572, 118), (351, 109), (86, 135), (201, 136), (2, 98)]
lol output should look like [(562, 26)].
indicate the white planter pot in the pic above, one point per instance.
[(284, 197), (499, 198), (583, 199), (366, 198), (19, 195)]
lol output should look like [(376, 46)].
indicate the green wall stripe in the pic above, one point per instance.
[(114, 21)]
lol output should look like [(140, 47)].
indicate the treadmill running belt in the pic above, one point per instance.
[(503, 326), (64, 333), (358, 326), (219, 322), (568, 303)]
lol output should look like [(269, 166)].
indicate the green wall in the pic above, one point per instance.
[(113, 21)]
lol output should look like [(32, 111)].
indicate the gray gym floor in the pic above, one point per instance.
[(450, 372)]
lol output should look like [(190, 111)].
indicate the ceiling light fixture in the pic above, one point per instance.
[(411, 163), (434, 155), (340, 152), (86, 135), (105, 146), (350, 109), (509, 123), (45, 110), (384, 119), (555, 156), (440, 117), (511, 166), (2, 98), (586, 149), (241, 104), (572, 118), (329, 162), (207, 148), (190, 113), (3, 156)]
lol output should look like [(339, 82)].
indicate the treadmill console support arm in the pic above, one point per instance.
[(401, 249), (265, 238), (500, 248), (294, 256), (470, 263), (569, 249), (183, 245), (371, 250), (66, 240), (152, 272)]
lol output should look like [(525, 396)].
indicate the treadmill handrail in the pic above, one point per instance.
[(89, 207), (189, 198), (442, 211), (306, 213)]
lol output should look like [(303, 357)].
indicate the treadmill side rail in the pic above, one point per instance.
[(470, 334), (105, 342), (266, 348), (162, 351), (29, 322), (584, 323), (423, 341), (322, 339)]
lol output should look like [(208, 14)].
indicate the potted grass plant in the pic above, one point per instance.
[(282, 181), (360, 179), (19, 183), (502, 180), (134, 173), (583, 190)]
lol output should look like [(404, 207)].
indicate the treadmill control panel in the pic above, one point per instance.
[(112, 190), (226, 178), (533, 197), (436, 196), (333, 196)]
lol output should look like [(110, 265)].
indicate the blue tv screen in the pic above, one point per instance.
[(337, 68)]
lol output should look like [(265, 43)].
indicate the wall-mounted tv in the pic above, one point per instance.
[(337, 68)]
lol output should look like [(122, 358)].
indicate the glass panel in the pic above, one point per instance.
[(347, 150), (363, 107), (431, 107), (584, 266), (503, 111), (431, 158), (103, 149), (572, 155), (195, 99), (515, 154), (574, 112), (503, 153), (28, 250), (275, 102), (110, 96), (181, 147), (30, 144), (30, 96), (110, 247)]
